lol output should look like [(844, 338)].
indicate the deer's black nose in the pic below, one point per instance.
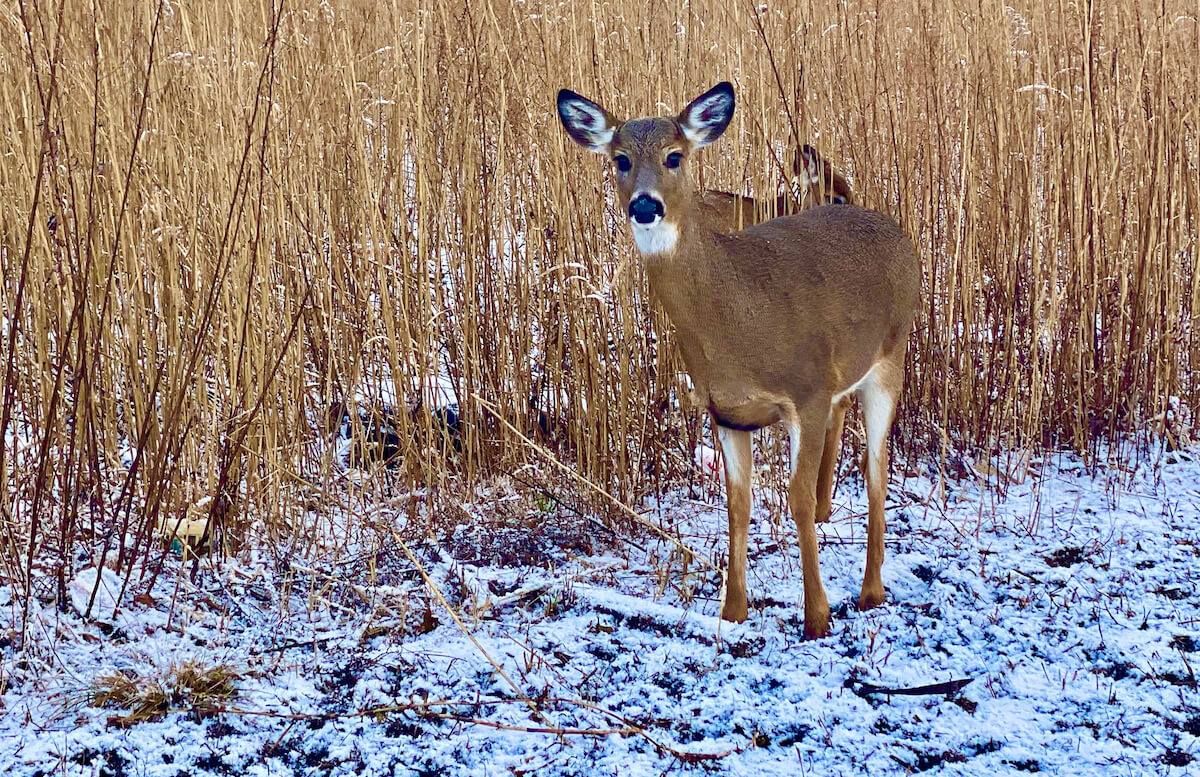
[(645, 209)]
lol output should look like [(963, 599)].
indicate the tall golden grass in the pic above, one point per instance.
[(218, 219)]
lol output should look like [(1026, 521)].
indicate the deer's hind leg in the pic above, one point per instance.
[(877, 396), (829, 459)]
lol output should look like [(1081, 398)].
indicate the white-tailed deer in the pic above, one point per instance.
[(817, 183), (781, 322)]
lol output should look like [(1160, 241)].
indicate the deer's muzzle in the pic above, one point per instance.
[(645, 209)]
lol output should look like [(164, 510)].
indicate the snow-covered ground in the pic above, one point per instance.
[(1071, 606)]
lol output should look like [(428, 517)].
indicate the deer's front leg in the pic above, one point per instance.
[(807, 441), (735, 449)]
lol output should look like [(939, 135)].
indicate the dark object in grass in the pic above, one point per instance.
[(377, 435), (1065, 557), (927, 761), (1176, 757), (948, 688), (1185, 643), (1027, 765)]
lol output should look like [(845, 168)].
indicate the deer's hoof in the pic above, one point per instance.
[(816, 624), (871, 597), (734, 612)]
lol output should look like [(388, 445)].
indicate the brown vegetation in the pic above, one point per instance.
[(217, 221), (186, 686)]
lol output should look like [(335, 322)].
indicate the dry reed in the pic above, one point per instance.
[(217, 221)]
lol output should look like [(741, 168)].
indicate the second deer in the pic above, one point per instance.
[(819, 184), (784, 321)]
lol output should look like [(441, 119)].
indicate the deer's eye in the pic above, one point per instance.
[(622, 162), (674, 159)]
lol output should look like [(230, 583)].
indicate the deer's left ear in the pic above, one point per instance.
[(706, 117)]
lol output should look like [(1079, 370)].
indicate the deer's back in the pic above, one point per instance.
[(830, 256)]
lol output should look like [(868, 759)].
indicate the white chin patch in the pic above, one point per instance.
[(657, 237)]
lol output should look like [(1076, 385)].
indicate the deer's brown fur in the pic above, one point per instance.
[(781, 322)]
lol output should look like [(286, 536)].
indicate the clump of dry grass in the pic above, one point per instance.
[(216, 223), (190, 686)]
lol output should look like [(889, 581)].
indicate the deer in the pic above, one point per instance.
[(818, 184), (782, 322)]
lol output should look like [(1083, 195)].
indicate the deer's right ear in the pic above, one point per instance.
[(808, 167), (587, 123)]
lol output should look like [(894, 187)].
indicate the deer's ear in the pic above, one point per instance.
[(587, 123), (706, 117), (810, 173)]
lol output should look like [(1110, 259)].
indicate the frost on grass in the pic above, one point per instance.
[(1070, 605)]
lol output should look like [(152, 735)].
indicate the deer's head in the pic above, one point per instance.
[(817, 175), (650, 157)]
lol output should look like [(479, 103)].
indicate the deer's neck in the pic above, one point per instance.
[(684, 279)]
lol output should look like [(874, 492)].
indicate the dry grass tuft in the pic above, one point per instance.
[(188, 686)]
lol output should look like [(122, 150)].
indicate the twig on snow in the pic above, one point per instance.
[(948, 688)]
